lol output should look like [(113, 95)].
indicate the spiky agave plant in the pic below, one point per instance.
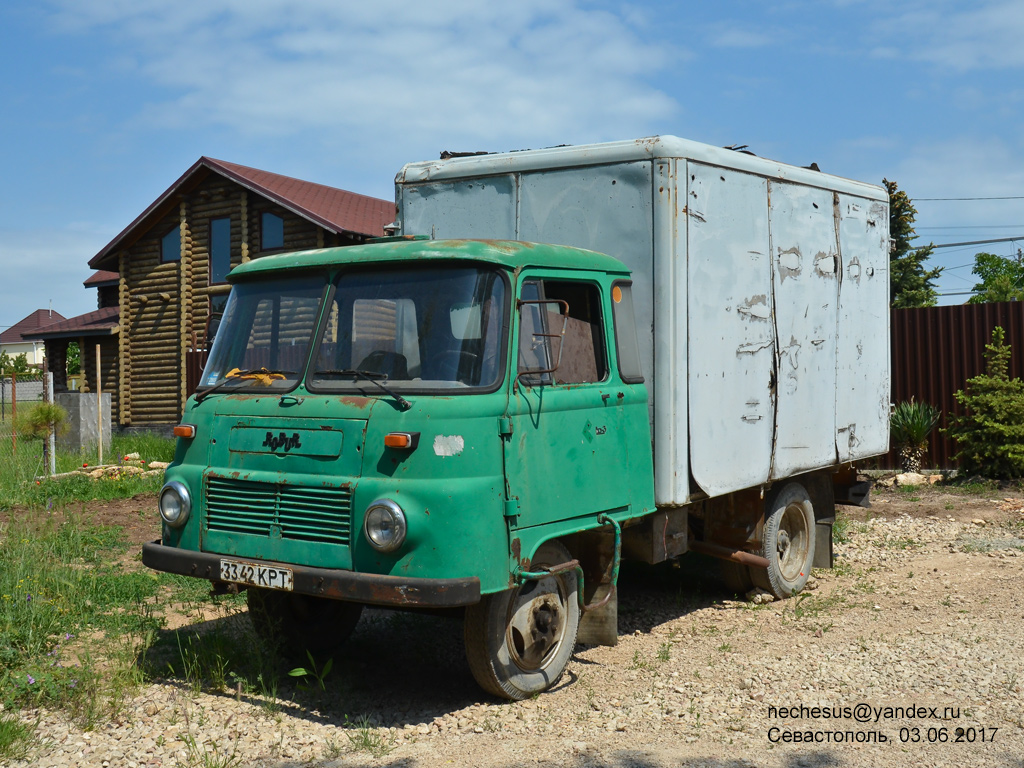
[(910, 425)]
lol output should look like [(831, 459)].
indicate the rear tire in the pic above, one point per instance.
[(296, 623), (788, 541), (518, 642)]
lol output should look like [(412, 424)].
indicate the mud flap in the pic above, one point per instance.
[(600, 626), (823, 543)]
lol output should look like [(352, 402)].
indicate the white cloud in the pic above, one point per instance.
[(41, 266), (955, 36), (459, 72)]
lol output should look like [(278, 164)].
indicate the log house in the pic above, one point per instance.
[(171, 264)]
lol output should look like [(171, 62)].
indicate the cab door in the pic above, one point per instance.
[(567, 455)]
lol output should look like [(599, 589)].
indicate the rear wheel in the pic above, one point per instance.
[(518, 642), (297, 623), (788, 542)]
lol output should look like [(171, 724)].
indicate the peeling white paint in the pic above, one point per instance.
[(449, 445)]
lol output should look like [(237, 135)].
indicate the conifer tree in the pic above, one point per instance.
[(990, 434), (911, 285)]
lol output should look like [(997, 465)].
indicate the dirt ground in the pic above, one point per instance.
[(920, 622)]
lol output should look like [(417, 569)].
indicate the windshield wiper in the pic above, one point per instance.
[(374, 377), (240, 376)]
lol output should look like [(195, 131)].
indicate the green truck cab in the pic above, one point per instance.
[(419, 424)]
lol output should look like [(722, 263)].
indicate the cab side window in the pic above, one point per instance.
[(577, 356)]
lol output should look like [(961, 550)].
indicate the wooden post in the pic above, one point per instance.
[(14, 413), (99, 407), (50, 438), (46, 398)]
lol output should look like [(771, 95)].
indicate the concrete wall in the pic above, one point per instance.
[(82, 423)]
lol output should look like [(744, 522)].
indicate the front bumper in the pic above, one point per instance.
[(369, 588)]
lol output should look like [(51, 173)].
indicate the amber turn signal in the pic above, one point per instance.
[(407, 440), (185, 430)]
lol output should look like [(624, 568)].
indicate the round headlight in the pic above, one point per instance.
[(384, 525), (175, 504)]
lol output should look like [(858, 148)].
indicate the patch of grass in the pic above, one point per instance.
[(808, 606), (364, 737), (973, 486), (73, 619), (16, 739), (208, 754), (841, 528), (900, 542), (220, 655), (665, 651), (19, 470)]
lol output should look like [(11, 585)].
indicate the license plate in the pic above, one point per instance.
[(256, 575)]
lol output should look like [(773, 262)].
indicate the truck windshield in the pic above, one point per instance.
[(264, 337), (422, 328)]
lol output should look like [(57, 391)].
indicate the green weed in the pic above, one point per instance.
[(16, 739), (665, 651), (208, 754), (312, 672), (364, 737)]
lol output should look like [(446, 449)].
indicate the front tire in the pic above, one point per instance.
[(788, 541), (518, 642), (295, 622)]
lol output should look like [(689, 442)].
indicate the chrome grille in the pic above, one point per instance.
[(301, 513)]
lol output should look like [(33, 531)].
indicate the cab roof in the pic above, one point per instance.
[(505, 253)]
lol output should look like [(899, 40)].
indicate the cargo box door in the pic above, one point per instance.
[(862, 399), (805, 261), (731, 344)]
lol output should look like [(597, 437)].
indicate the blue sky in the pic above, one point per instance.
[(106, 103)]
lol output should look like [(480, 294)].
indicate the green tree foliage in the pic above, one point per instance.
[(74, 359), (16, 364), (1002, 279), (911, 285), (990, 434)]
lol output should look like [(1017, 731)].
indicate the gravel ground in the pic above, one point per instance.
[(921, 622)]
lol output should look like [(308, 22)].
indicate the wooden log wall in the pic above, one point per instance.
[(108, 369), (153, 326), (165, 306), (124, 386)]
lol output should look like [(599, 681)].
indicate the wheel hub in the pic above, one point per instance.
[(537, 624), (793, 541)]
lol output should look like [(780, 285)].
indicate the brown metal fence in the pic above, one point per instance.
[(937, 349)]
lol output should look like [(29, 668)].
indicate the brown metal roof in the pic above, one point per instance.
[(336, 210), (20, 332), (102, 277), (100, 322)]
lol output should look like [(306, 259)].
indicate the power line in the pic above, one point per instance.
[(974, 226), (978, 242), (941, 199)]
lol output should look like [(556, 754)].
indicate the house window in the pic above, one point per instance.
[(170, 246), (220, 249), (272, 231)]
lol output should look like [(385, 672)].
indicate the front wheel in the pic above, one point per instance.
[(788, 541), (295, 622), (518, 642)]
